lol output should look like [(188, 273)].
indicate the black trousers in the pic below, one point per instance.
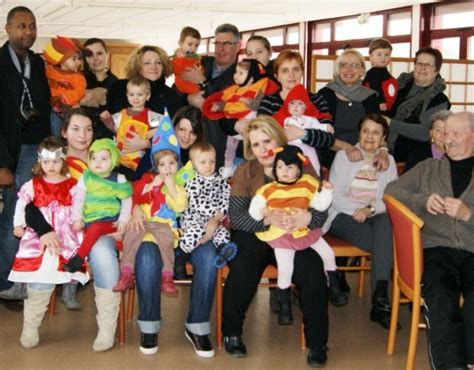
[(447, 274), (245, 272)]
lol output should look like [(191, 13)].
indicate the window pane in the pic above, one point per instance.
[(293, 35), (448, 46), (453, 16), (322, 32), (399, 24), (321, 52), (401, 50), (275, 36), (211, 45), (470, 48), (202, 47), (349, 29)]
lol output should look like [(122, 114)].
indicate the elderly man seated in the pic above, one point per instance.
[(441, 192)]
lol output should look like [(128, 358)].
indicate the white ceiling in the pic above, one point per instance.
[(160, 21)]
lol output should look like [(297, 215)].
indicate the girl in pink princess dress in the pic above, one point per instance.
[(50, 190)]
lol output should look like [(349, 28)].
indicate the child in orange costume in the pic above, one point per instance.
[(67, 84), (185, 57)]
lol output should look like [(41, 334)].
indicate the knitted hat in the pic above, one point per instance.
[(289, 154), (299, 93), (256, 70), (164, 139), (106, 144), (62, 48)]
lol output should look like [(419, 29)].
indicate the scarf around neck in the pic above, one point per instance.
[(356, 92), (422, 97)]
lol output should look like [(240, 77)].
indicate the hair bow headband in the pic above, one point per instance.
[(46, 154)]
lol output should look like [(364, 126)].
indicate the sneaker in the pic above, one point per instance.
[(201, 343), (167, 286), (225, 253), (226, 172), (74, 264), (149, 344), (126, 281)]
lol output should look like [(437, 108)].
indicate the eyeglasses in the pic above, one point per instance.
[(350, 65), (224, 44), (424, 65)]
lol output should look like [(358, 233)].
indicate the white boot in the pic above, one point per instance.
[(34, 309), (108, 305)]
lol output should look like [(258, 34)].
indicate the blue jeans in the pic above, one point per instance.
[(103, 260), (8, 242), (148, 268)]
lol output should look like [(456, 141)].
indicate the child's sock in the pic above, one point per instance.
[(126, 280), (167, 284)]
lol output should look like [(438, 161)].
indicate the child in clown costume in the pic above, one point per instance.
[(51, 191), (103, 202), (157, 199), (297, 110), (239, 101)]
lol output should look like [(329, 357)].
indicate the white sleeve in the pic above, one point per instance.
[(78, 200), (126, 204), (322, 200), (25, 195), (256, 205)]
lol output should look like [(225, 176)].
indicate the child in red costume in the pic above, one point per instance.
[(239, 101)]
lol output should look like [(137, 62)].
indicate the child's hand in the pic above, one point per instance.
[(157, 181), (327, 185), (330, 129), (77, 225), (219, 215), (104, 115), (383, 107), (137, 219), (19, 231), (149, 135), (264, 212), (121, 227), (211, 226), (169, 182)]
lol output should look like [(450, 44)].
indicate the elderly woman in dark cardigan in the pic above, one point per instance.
[(420, 95)]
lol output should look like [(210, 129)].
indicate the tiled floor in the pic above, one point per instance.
[(66, 340)]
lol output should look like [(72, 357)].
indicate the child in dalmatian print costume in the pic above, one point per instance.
[(208, 200)]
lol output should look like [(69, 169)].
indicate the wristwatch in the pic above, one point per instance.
[(202, 85)]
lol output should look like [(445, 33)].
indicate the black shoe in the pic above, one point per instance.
[(382, 316), (317, 357), (285, 315), (201, 343), (336, 296), (180, 264), (149, 344), (343, 285), (235, 346), (274, 305), (74, 264), (381, 312), (225, 253)]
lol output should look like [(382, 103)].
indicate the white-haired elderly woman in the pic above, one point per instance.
[(348, 102), (433, 148)]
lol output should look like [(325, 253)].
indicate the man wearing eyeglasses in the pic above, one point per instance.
[(24, 123), (217, 75)]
